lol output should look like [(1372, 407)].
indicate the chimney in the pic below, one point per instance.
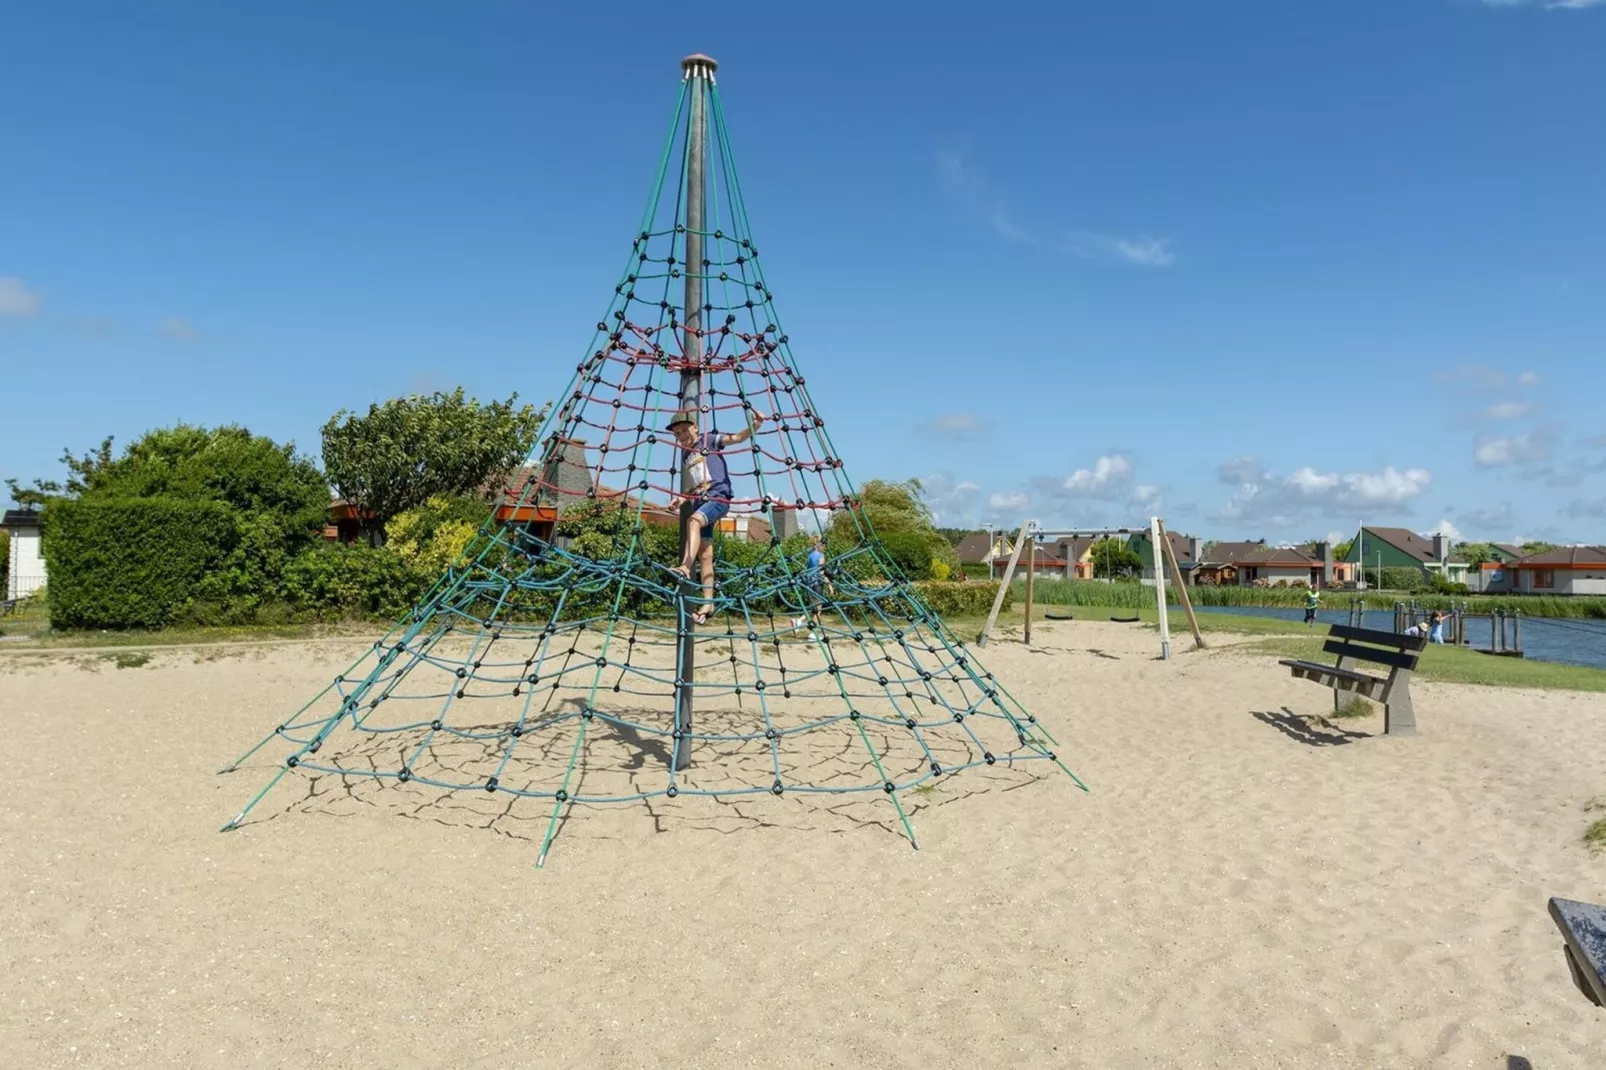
[(1195, 549), (1441, 547)]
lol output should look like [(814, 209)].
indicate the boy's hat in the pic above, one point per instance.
[(684, 416)]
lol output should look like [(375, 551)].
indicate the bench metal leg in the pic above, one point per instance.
[(1399, 719)]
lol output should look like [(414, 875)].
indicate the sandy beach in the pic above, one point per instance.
[(1244, 885)]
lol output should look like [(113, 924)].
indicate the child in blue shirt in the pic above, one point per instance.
[(707, 484)]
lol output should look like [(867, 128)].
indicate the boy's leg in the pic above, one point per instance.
[(694, 538)]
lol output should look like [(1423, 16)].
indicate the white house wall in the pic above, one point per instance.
[(27, 565), (1581, 583)]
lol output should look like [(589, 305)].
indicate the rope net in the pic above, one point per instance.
[(563, 658)]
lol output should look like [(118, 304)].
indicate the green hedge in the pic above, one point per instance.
[(961, 599), (132, 563), (352, 581), (910, 551)]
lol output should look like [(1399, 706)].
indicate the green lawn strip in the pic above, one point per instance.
[(196, 636), (1447, 664)]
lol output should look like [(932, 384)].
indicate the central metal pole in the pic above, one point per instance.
[(699, 70)]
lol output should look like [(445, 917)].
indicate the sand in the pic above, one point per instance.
[(1244, 886)]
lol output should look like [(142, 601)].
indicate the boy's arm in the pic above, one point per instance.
[(745, 433)]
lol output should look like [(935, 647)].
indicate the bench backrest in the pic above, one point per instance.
[(1384, 648)]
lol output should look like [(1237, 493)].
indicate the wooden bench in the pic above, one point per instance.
[(1583, 933), (1398, 652), (7, 606)]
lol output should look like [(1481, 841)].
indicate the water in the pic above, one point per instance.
[(1561, 639)]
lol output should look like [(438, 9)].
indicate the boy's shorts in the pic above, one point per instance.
[(710, 513)]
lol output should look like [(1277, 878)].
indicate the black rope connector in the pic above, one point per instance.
[(405, 775), (1052, 756), (602, 663), (987, 756), (908, 722), (759, 686), (291, 762), (776, 788), (516, 731), (936, 770), (673, 791), (435, 725), (461, 672), (853, 715), (587, 713), (889, 787), (562, 796), (770, 733), (959, 718), (490, 785), (832, 669)]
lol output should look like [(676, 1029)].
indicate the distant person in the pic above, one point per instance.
[(814, 587), (1313, 599), (1436, 627)]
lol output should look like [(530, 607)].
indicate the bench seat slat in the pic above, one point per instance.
[(1372, 635), (1335, 671), (1583, 927), (1394, 659)]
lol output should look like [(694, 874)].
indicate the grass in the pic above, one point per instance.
[(128, 659), (1595, 834), (1275, 637), (1135, 595), (44, 639), (1355, 706)]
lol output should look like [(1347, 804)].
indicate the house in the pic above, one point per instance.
[(1401, 548), (1216, 563), (1077, 552), (1186, 549), (1567, 570), (26, 568), (983, 547), (1044, 559), (1273, 566)]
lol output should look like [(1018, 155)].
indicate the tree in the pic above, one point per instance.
[(408, 450), (1536, 546), (1341, 549), (890, 508), (1475, 553), (1113, 557)]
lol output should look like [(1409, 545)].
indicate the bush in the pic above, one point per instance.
[(352, 581), (960, 599), (910, 551), (1397, 579), (134, 563), (433, 536)]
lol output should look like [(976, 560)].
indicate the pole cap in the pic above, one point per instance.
[(698, 64)]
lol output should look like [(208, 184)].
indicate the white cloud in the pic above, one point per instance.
[(1444, 527), (1263, 496), (1011, 500), (1498, 451), (968, 184), (1549, 5), (1508, 410), (16, 300), (179, 329), (1139, 249), (955, 424), (1105, 479), (952, 502), (1528, 378)]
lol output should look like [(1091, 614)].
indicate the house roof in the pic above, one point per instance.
[(1566, 557), (20, 518), (1278, 556), (564, 479), (1071, 548), (1509, 549), (1406, 541), (1225, 553), (974, 548)]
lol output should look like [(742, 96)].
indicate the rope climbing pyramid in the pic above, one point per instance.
[(646, 614)]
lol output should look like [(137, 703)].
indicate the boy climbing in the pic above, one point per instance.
[(707, 485)]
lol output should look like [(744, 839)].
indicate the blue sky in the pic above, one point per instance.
[(1266, 267)]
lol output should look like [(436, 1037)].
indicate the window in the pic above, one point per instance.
[(1544, 577)]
